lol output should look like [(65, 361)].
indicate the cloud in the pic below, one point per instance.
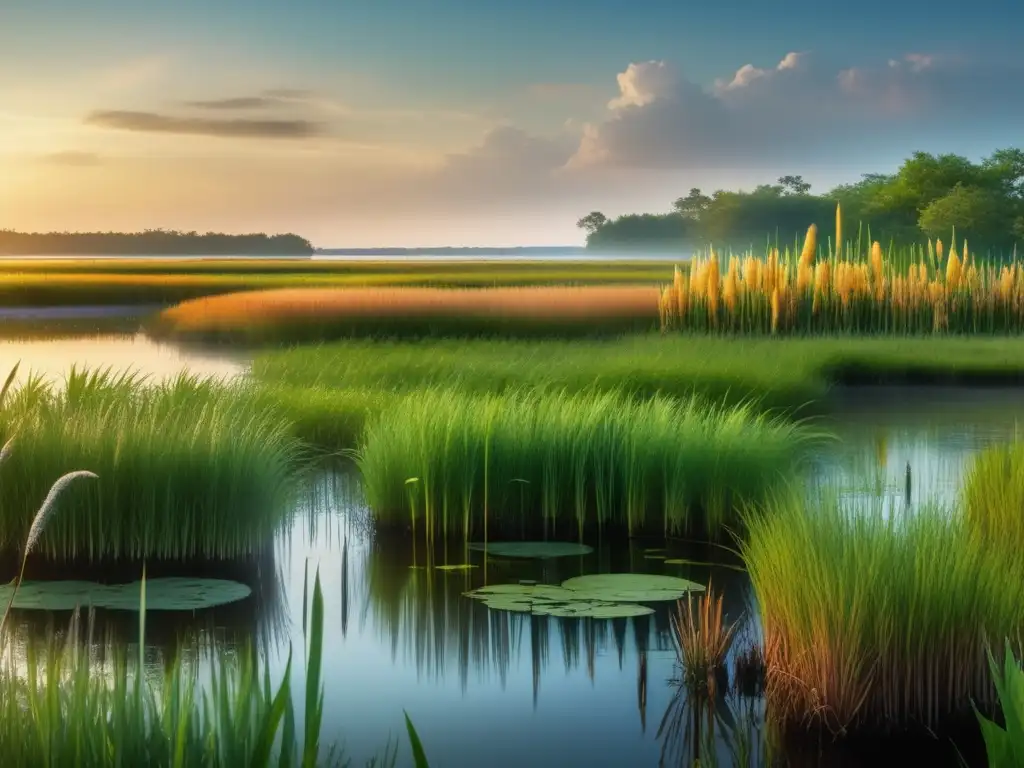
[(71, 158), (662, 120), (237, 102), (152, 122)]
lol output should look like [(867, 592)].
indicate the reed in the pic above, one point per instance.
[(186, 468), (703, 640), (590, 462), (848, 290), (993, 497), (877, 622), (321, 314)]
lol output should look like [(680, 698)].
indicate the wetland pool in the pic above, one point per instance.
[(489, 688)]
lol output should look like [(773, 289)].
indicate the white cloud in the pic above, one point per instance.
[(661, 120)]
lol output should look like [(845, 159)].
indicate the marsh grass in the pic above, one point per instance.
[(590, 463), (778, 373), (28, 283), (993, 496), (703, 640), (294, 315), (877, 622), (187, 468)]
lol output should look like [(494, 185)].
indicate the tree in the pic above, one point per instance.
[(693, 205), (794, 185), (592, 222), (978, 214)]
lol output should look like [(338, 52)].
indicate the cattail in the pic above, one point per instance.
[(804, 277), (713, 285), (731, 287), (931, 252), (952, 270), (775, 310), (876, 261), (839, 230), (938, 252), (810, 246)]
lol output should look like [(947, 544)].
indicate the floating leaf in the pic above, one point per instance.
[(462, 567), (654, 557), (630, 587), (654, 550), (532, 550), (681, 561), (165, 594), (527, 582)]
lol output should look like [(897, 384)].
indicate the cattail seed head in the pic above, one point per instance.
[(49, 504)]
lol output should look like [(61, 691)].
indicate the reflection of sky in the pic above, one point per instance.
[(53, 357)]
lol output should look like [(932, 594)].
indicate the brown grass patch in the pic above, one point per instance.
[(349, 311)]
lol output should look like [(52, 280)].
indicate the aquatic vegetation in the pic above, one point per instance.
[(875, 621), (317, 314), (993, 496), (858, 289), (599, 596), (58, 708), (1005, 745), (187, 467), (451, 464), (532, 550), (162, 594), (703, 640)]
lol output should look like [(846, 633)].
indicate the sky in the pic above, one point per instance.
[(366, 123)]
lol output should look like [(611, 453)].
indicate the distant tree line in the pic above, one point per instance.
[(928, 196), (151, 242)]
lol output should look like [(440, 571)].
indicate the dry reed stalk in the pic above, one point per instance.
[(702, 640)]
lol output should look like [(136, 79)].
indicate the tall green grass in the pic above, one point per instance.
[(993, 496), (877, 622), (186, 468), (524, 463), (778, 373)]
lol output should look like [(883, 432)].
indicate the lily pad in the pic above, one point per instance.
[(163, 594), (532, 550), (462, 567), (654, 557), (630, 587)]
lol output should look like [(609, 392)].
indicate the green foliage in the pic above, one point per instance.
[(186, 468), (875, 618), (590, 462), (974, 212), (1005, 745), (927, 195)]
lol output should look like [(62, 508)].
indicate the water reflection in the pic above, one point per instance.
[(52, 357)]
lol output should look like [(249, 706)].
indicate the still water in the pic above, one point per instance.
[(503, 689)]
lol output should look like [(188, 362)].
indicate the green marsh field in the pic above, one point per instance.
[(714, 538)]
